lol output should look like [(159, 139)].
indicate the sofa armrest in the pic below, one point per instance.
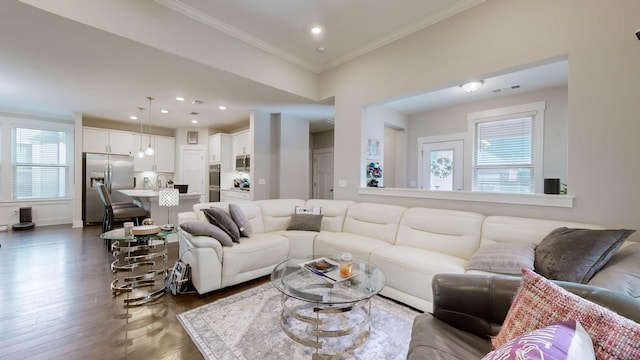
[(190, 241), (474, 303), (479, 303)]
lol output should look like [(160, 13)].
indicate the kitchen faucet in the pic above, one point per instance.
[(160, 182)]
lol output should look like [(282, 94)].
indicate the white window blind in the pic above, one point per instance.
[(40, 166), (504, 159)]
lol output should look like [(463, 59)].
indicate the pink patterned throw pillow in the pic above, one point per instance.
[(560, 341), (539, 303)]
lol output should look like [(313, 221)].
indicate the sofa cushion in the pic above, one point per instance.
[(622, 272), (451, 232), (503, 258), (332, 244), (276, 213), (539, 303), (223, 220), (199, 228), (377, 221), (565, 340), (333, 212), (577, 254), (405, 267), (306, 222), (240, 219), (519, 229)]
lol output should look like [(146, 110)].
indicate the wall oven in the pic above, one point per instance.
[(214, 182)]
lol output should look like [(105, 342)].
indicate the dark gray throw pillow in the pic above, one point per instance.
[(199, 228), (220, 218), (240, 219), (306, 222), (576, 254)]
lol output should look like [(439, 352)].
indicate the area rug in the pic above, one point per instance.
[(247, 326)]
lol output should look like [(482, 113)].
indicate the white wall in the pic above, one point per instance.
[(603, 129), (453, 120), (294, 158), (378, 119), (264, 164)]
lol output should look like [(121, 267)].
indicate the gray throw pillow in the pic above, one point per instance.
[(503, 258), (199, 228), (306, 222), (220, 218), (240, 219), (577, 254)]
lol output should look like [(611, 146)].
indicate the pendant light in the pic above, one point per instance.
[(140, 152), (149, 151)]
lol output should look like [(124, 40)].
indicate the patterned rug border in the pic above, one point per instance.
[(215, 342)]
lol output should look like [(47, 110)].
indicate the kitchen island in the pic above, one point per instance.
[(148, 199)]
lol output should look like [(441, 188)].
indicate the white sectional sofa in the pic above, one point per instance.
[(410, 245)]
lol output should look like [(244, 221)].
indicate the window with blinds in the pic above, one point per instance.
[(507, 151), (40, 164), (504, 156)]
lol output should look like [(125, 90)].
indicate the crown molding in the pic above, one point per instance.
[(195, 14)]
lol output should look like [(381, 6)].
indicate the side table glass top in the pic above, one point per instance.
[(118, 234), (293, 280)]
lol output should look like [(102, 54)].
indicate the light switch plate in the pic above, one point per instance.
[(262, 181), (342, 183)]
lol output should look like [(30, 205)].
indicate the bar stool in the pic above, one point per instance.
[(119, 212)]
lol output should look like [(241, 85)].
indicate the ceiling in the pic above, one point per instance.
[(55, 67)]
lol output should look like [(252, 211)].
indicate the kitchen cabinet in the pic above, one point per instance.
[(235, 195), (106, 141), (219, 149), (165, 156), (240, 143), (163, 159)]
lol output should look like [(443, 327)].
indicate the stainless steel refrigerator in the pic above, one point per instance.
[(115, 171)]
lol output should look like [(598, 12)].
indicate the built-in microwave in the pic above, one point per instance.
[(243, 163)]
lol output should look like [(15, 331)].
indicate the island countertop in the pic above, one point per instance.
[(147, 193)]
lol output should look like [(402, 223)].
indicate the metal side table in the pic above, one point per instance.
[(144, 259)]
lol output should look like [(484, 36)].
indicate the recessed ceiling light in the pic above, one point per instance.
[(196, 102), (180, 98), (133, 117), (316, 30), (164, 111), (222, 107), (321, 49), (194, 121)]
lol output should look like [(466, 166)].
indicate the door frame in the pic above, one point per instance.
[(436, 139), (314, 174)]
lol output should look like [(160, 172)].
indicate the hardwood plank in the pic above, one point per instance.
[(57, 304)]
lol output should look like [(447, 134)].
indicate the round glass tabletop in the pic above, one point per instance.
[(296, 280)]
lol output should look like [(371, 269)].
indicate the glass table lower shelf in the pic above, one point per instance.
[(139, 266)]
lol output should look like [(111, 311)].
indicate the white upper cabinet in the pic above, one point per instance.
[(165, 156), (163, 159), (240, 143), (106, 141), (219, 148)]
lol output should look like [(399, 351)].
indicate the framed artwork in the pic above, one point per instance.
[(192, 137), (373, 149)]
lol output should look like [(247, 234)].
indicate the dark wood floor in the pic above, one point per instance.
[(55, 302)]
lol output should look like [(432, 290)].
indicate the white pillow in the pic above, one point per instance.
[(566, 340)]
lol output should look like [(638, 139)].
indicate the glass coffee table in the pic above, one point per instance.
[(332, 315)]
